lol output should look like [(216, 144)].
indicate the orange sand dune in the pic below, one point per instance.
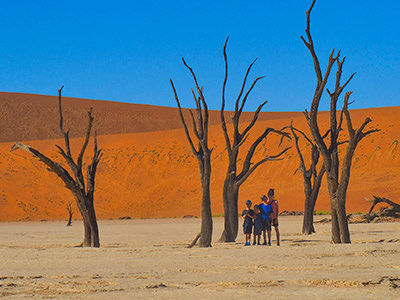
[(26, 117), (154, 174)]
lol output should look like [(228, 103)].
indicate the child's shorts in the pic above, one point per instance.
[(247, 227), (267, 225), (257, 230)]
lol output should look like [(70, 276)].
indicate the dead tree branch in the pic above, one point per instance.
[(202, 153), (234, 141), (82, 191), (376, 200)]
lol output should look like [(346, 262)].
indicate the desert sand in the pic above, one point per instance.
[(148, 259), (153, 174)]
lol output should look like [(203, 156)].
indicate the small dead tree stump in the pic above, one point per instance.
[(70, 213)]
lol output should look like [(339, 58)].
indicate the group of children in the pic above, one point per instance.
[(260, 220)]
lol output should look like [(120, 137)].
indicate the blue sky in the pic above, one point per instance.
[(127, 50)]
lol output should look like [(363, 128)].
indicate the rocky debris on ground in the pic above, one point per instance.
[(291, 213)]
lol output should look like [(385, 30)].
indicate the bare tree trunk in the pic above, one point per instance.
[(309, 204), (206, 216), (309, 207), (82, 191), (337, 186), (69, 223), (343, 223), (87, 237), (312, 180), (227, 234), (335, 223), (91, 231), (94, 230), (70, 213), (230, 195), (203, 155), (235, 179)]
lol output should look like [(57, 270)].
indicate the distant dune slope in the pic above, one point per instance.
[(154, 174), (35, 117)]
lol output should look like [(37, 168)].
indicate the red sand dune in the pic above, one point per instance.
[(154, 174), (25, 117)]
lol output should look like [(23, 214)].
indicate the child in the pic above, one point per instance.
[(248, 216), (258, 224), (266, 211), (275, 213)]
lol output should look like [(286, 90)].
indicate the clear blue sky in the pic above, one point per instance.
[(127, 50)]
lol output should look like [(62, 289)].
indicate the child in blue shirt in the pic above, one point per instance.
[(266, 211), (248, 216)]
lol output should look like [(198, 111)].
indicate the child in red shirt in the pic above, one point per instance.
[(275, 213)]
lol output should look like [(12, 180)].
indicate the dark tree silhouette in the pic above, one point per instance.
[(82, 191), (70, 212), (234, 177), (395, 206), (312, 177), (203, 155), (337, 185)]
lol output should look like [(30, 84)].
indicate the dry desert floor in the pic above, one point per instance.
[(148, 259)]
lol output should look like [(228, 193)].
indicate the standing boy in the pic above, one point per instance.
[(266, 210), (248, 216), (275, 213)]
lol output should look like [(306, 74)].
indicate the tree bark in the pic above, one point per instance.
[(335, 223), (69, 223), (82, 191), (343, 223), (337, 186), (202, 153), (234, 179), (206, 216), (309, 204), (311, 200), (311, 179), (231, 222), (70, 213)]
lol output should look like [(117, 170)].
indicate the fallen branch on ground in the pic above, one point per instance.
[(194, 241), (376, 200), (385, 214)]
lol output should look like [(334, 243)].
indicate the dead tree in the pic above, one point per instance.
[(234, 177), (337, 185), (395, 206), (385, 214), (312, 180), (203, 155), (82, 191), (70, 212)]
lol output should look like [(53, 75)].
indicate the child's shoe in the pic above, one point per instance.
[(269, 243), (247, 244), (264, 244), (258, 244), (254, 243)]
